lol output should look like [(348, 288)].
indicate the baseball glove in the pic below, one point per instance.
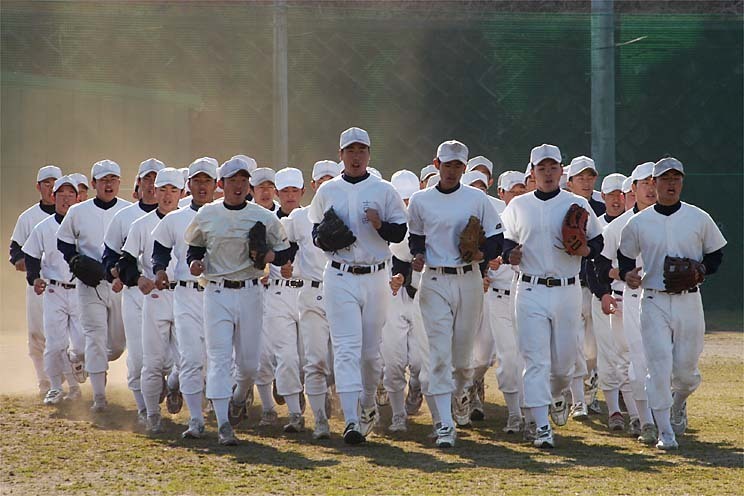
[(682, 274), (332, 234), (471, 239), (88, 270), (257, 245), (573, 230), (128, 270)]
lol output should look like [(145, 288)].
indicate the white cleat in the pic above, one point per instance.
[(154, 425), (367, 420), (667, 441), (579, 411), (268, 418), (296, 423), (398, 423), (53, 396), (99, 404), (679, 419), (514, 424), (381, 397), (461, 409), (544, 438), (559, 410), (195, 430), (226, 435), (322, 429), (352, 434), (446, 436), (530, 432)]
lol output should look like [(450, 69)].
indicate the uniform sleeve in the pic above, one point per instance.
[(396, 209), (22, 230), (276, 236), (67, 231), (33, 245), (133, 242), (288, 223), (194, 235), (317, 207), (509, 224), (163, 233), (611, 242), (415, 222), (712, 237), (490, 219), (114, 237), (629, 242), (593, 226)]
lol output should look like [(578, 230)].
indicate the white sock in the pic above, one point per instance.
[(293, 403), (528, 417), (55, 382), (663, 421), (444, 406), (397, 402), (540, 414), (435, 418), (220, 409), (350, 406), (194, 404), (644, 412), (267, 399), (367, 398), (577, 391), (241, 392), (140, 400), (630, 404), (98, 383), (317, 403), (512, 404), (612, 398), (152, 403)]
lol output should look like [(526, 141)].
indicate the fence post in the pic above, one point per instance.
[(603, 85), (281, 103)]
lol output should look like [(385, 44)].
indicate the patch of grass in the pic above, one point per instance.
[(67, 450)]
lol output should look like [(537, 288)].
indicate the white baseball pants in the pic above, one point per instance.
[(403, 342), (280, 322), (158, 344), (587, 344), (316, 339), (62, 329), (35, 324), (100, 317), (612, 348), (484, 347), (673, 329), (188, 310), (637, 370), (131, 310), (509, 369)]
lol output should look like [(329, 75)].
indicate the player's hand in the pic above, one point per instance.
[(486, 283), (515, 256), (161, 280), (265, 280), (396, 282), (269, 257), (495, 263), (196, 268), (20, 265), (609, 304), (373, 216), (117, 285), (114, 272), (418, 263), (286, 270), (615, 274), (633, 278), (145, 285), (39, 285)]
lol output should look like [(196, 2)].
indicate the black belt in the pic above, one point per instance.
[(292, 283), (551, 282), (315, 284), (693, 290), (61, 284), (619, 293), (236, 284), (190, 284), (171, 285), (453, 270), (359, 269), (505, 292)]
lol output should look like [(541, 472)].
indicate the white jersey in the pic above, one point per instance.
[(42, 244), (441, 217), (502, 277), (536, 225), (26, 223), (612, 241), (350, 202), (310, 260), (689, 233), (140, 244), (185, 201), (169, 233), (275, 272), (117, 232), (85, 225), (224, 233)]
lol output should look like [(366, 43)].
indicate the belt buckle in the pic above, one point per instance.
[(356, 270), (549, 282)]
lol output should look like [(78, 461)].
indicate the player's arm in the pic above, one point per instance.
[(599, 280), (66, 237), (161, 257), (711, 261), (595, 246), (16, 254)]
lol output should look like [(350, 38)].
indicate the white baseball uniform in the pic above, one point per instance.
[(61, 315), (100, 308), (34, 303), (548, 296), (672, 325)]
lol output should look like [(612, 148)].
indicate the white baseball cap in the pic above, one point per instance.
[(250, 162), (405, 182), (509, 179), (261, 175), (374, 172), (150, 165), (480, 160), (289, 177), (185, 172), (169, 176), (80, 179), (540, 153), (579, 164), (323, 168), (667, 164), (104, 168), (474, 176), (452, 150), (642, 171), (433, 180), (628, 185), (527, 170), (232, 167), (61, 181), (206, 165), (353, 135), (613, 182), (427, 171), (48, 172)]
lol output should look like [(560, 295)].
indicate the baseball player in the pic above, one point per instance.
[(672, 321), (548, 298), (582, 175), (625, 308), (80, 239), (403, 336), (188, 297), (131, 297), (226, 250), (308, 265), (426, 173), (355, 284), (82, 185), (630, 198), (158, 335), (451, 297), (45, 179), (63, 352), (529, 179)]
